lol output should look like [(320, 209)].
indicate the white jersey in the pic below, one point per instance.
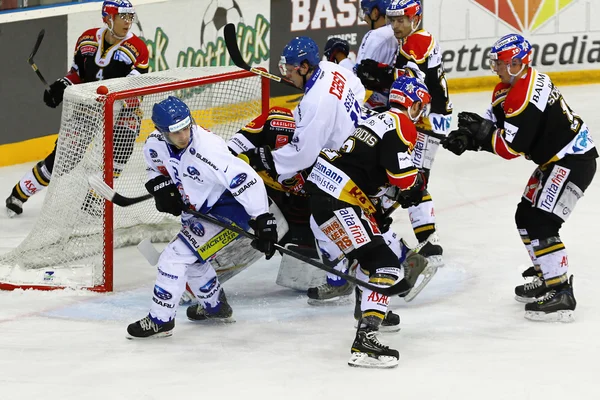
[(204, 170), (325, 117), (348, 64), (382, 46)]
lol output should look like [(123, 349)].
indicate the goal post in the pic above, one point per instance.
[(72, 242)]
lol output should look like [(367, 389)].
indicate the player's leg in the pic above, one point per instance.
[(170, 284), (31, 183), (563, 185), (212, 302)]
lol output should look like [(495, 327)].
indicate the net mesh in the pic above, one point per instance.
[(65, 247)]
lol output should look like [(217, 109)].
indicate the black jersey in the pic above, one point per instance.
[(274, 129), (534, 120), (376, 155)]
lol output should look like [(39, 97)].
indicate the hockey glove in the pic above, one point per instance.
[(166, 195), (260, 159), (413, 195), (265, 228), (479, 127), (375, 76), (54, 97), (459, 141), (383, 222)]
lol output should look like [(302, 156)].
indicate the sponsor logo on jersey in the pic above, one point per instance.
[(281, 140), (192, 151), (48, 276), (419, 150), (206, 161), (190, 238), (552, 188), (162, 293), (441, 123), (568, 199), (197, 228), (581, 141), (162, 304), (153, 153), (245, 187), (353, 227), (193, 171), (277, 123), (238, 180), (209, 285), (167, 275), (163, 170), (338, 84), (335, 231), (215, 244), (88, 50)]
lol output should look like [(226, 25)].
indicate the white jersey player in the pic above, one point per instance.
[(379, 44), (336, 50), (189, 168)]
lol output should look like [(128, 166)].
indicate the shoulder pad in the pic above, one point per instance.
[(418, 46)]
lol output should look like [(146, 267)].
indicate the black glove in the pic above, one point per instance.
[(479, 127), (414, 195), (265, 228), (260, 159), (374, 75), (459, 141), (54, 97), (166, 195), (382, 221)]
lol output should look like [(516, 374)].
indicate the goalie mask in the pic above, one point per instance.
[(406, 91), (171, 117)]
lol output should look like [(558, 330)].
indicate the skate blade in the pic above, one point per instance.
[(363, 360), (335, 301), (428, 274), (11, 213), (213, 321), (558, 316), (383, 328), (159, 335), (526, 300)]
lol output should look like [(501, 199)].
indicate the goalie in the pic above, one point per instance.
[(191, 168)]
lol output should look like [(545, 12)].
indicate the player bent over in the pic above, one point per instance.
[(100, 53), (191, 168), (529, 116), (343, 184)]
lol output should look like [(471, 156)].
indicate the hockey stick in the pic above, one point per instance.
[(236, 56), (110, 194), (30, 61)]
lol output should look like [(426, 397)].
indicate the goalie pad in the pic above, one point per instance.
[(296, 274)]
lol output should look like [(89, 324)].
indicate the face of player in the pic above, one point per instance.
[(506, 72), (296, 74), (415, 111), (122, 24), (369, 18), (403, 25), (181, 138)]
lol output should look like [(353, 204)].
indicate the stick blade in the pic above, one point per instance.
[(232, 47), (36, 47)]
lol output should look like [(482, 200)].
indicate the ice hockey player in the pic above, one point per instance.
[(344, 185), (418, 47), (325, 117), (379, 45), (336, 50), (529, 116), (100, 53), (191, 168)]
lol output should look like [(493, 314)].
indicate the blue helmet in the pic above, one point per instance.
[(300, 49), (407, 90), (409, 8), (334, 45), (509, 47), (115, 7), (171, 115), (367, 6)]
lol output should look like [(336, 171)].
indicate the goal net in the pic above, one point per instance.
[(72, 242)]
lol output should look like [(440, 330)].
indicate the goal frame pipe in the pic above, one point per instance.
[(110, 98)]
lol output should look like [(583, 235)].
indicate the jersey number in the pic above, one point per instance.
[(99, 75), (347, 147)]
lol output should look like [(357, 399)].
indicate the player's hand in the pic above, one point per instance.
[(459, 141), (384, 223), (265, 228), (374, 75), (413, 195), (479, 127), (259, 158), (166, 195), (54, 97)]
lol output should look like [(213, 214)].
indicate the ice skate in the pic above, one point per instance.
[(368, 352), (222, 313), (557, 305), (432, 250), (531, 291), (328, 294), (14, 206), (390, 323), (147, 328), (418, 271)]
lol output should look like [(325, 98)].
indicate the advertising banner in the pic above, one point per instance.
[(565, 34)]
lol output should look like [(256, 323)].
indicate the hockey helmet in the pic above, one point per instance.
[(171, 115), (407, 90), (299, 50), (334, 45), (508, 48), (367, 6), (410, 8), (111, 8)]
